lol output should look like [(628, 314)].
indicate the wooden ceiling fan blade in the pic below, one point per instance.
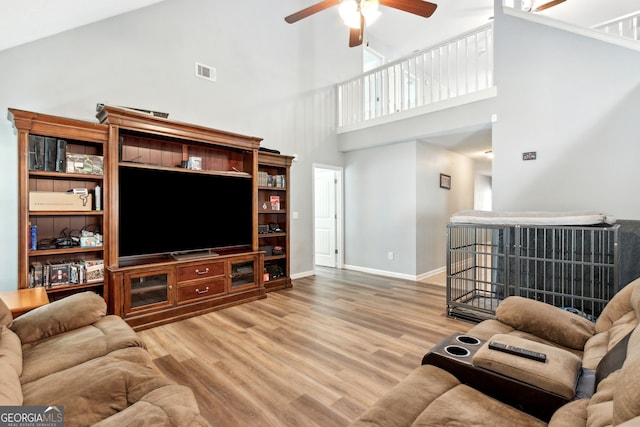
[(356, 34), (548, 5), (304, 13), (417, 7)]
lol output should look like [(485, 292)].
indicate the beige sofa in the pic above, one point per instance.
[(608, 349), (70, 354)]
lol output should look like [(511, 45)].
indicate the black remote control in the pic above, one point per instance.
[(522, 352)]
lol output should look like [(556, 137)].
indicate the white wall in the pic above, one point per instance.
[(275, 81), (483, 194), (576, 102)]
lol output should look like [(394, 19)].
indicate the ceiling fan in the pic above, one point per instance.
[(543, 6), (357, 13)]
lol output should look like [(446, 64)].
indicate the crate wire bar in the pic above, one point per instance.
[(573, 267)]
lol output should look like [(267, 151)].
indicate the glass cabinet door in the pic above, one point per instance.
[(243, 274), (149, 289)]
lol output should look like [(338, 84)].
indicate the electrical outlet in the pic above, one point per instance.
[(390, 255)]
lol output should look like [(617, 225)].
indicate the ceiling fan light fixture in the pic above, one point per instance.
[(369, 9), (349, 13)]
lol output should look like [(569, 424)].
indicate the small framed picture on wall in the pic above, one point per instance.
[(445, 181)]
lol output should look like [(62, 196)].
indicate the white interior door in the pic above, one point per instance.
[(325, 217)]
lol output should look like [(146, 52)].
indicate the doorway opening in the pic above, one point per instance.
[(328, 216)]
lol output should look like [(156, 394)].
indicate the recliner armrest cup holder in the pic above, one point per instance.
[(457, 351), (467, 339)]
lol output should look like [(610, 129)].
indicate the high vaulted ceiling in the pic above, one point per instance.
[(28, 20)]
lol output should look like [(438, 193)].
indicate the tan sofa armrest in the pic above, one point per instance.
[(60, 316), (546, 321)]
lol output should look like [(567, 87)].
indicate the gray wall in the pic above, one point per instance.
[(572, 99), (275, 81), (380, 208), (394, 203), (435, 205), (576, 102)]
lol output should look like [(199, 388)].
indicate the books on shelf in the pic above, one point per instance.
[(47, 153), (266, 180), (66, 273)]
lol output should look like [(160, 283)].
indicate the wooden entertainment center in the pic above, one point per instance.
[(149, 288)]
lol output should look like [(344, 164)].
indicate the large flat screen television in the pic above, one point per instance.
[(167, 212)]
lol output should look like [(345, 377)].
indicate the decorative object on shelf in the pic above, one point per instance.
[(275, 203), (445, 181), (85, 163), (195, 163)]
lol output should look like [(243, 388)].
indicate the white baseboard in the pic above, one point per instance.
[(303, 274), (381, 272), (432, 273), (377, 272)]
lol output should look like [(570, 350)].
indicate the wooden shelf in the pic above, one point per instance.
[(274, 168), (66, 213), (73, 287), (238, 174), (145, 289), (267, 235), (63, 251), (82, 138), (262, 187), (65, 175)]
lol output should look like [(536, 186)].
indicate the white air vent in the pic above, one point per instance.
[(205, 72)]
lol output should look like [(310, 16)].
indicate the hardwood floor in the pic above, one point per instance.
[(315, 355)]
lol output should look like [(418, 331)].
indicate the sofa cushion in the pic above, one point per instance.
[(10, 349), (558, 374), (170, 405), (100, 388), (10, 368), (490, 327), (76, 346), (6, 318), (600, 408), (546, 321), (601, 343), (465, 406), (404, 402), (63, 315), (627, 389), (573, 414), (620, 304)]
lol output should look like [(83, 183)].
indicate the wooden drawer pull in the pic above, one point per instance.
[(202, 272), (204, 291)]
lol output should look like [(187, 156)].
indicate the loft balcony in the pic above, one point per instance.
[(457, 72)]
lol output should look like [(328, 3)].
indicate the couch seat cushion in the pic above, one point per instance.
[(76, 346), (167, 406), (465, 406), (99, 388), (404, 402)]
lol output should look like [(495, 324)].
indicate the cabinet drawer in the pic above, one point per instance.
[(200, 271), (201, 289)]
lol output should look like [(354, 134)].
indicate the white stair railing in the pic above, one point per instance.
[(451, 69), (627, 26)]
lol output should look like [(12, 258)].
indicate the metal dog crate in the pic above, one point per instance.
[(573, 267)]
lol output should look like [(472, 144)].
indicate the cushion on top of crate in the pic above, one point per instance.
[(531, 218)]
